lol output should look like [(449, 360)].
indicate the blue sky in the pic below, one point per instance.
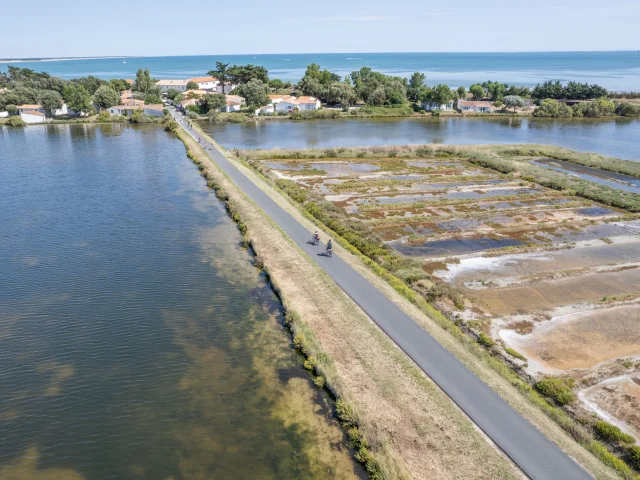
[(43, 28)]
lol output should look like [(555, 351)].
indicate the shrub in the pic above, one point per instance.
[(12, 109), (515, 354), (485, 340), (557, 388), (16, 122), (165, 111), (611, 433), (192, 115), (634, 457)]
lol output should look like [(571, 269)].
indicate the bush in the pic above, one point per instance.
[(165, 111), (634, 457), (16, 122), (12, 109), (485, 340), (192, 115), (558, 389), (611, 433), (515, 354)]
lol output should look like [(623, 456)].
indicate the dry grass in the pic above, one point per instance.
[(414, 430)]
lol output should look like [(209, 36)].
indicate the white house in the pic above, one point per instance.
[(205, 83), (479, 106), (232, 106), (179, 85), (30, 107), (308, 103), (32, 116), (267, 109), (429, 106), (153, 110), (63, 110)]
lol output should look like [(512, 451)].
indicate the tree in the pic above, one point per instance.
[(396, 92), (212, 101), (118, 84), (462, 92), (178, 98), (143, 82), (378, 97), (495, 89), (513, 101), (417, 84), (77, 97), (152, 99), (12, 109), (241, 74), (50, 100), (477, 91), (440, 94), (106, 97), (172, 93), (192, 86), (342, 93), (254, 92), (221, 72), (552, 108), (276, 84)]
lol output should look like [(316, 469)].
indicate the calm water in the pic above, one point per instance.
[(614, 138), (614, 70), (136, 338)]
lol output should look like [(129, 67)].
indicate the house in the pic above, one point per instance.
[(195, 93), (289, 103), (4, 114), (32, 116), (152, 110), (30, 107), (308, 103), (186, 102), (429, 106), (63, 110), (226, 88), (478, 106), (205, 83), (129, 81), (234, 104), (179, 85), (266, 110), (131, 101)]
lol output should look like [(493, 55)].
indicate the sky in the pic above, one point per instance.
[(77, 28)]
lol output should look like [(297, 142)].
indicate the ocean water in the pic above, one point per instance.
[(615, 70)]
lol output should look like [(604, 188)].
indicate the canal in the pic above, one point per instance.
[(137, 339)]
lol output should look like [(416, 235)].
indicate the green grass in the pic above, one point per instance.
[(515, 354), (611, 433), (558, 389)]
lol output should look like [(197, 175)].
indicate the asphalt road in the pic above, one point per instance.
[(526, 446)]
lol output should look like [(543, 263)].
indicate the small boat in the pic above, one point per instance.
[(124, 61)]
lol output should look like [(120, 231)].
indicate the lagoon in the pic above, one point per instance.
[(610, 137), (137, 339)]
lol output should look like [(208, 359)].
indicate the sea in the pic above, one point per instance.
[(617, 71)]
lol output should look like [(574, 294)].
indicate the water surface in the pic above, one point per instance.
[(610, 137), (137, 340)]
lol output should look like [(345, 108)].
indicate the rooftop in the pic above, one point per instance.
[(475, 103), (203, 79), (29, 106), (33, 112), (172, 83)]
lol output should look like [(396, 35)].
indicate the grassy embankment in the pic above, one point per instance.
[(371, 253), (400, 424)]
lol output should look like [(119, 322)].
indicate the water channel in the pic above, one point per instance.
[(610, 137), (137, 340)]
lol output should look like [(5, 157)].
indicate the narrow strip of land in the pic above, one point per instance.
[(535, 454)]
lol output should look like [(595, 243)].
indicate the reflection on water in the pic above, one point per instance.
[(136, 338), (611, 137)]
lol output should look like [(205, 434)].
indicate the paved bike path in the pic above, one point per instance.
[(526, 446)]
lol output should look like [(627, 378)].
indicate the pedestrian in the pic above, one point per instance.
[(198, 139)]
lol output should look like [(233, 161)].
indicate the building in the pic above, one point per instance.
[(226, 88), (287, 103), (234, 104), (152, 110), (179, 85), (430, 106), (205, 83), (186, 102), (63, 110), (30, 107), (266, 110), (4, 114), (32, 116), (129, 81), (478, 106)]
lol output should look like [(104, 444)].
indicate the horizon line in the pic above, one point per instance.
[(101, 57)]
